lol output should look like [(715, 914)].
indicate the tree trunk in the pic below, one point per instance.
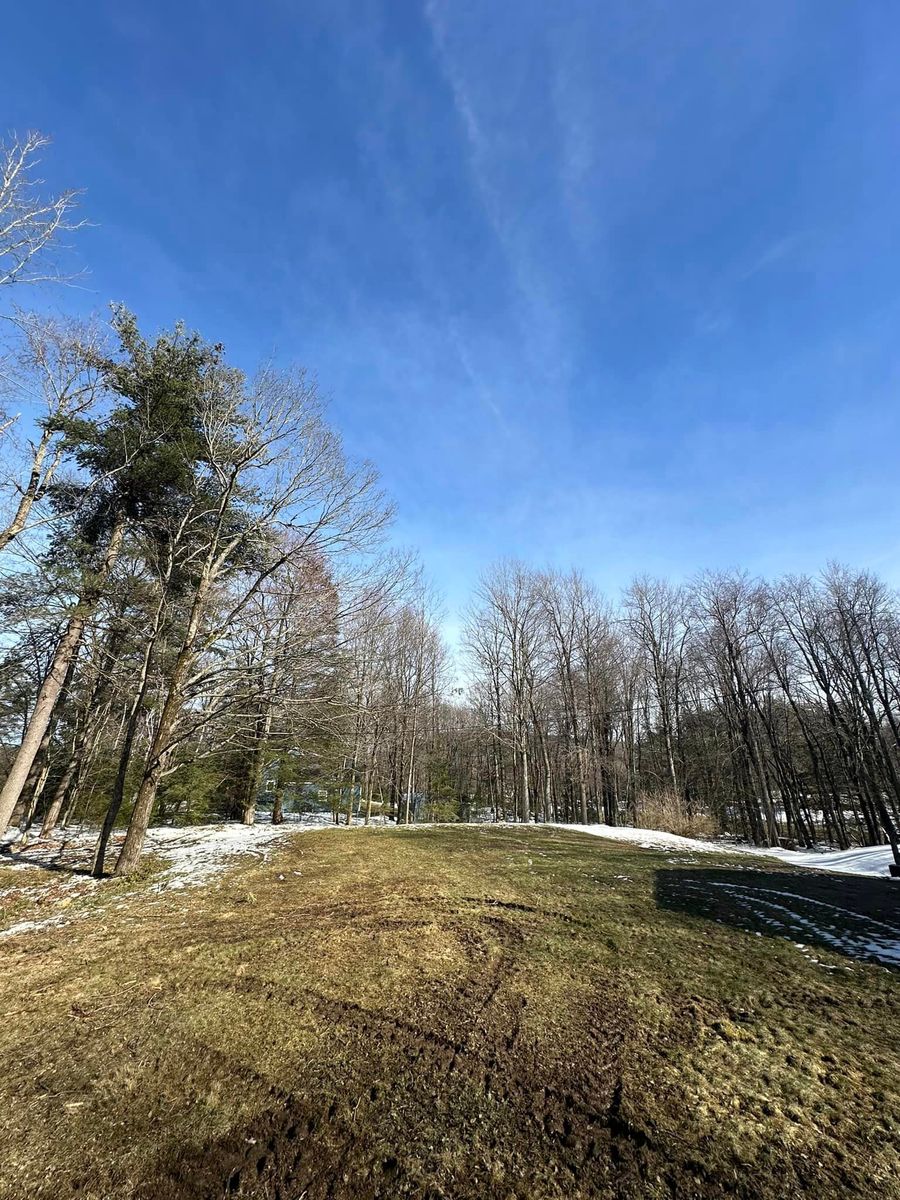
[(35, 487), (53, 684), (350, 790), (51, 817), (95, 711), (257, 762), (278, 805), (526, 786), (161, 742), (131, 728), (146, 796)]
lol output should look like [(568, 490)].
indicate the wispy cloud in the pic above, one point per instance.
[(782, 249), (501, 155), (589, 281)]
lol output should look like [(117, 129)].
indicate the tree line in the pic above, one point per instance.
[(199, 614), (766, 709)]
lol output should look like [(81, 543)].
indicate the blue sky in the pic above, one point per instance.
[(612, 284)]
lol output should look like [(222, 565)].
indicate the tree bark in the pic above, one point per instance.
[(37, 484), (52, 686), (131, 727), (161, 742)]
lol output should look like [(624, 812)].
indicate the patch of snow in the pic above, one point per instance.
[(199, 852), (194, 855), (865, 943), (860, 860), (27, 926)]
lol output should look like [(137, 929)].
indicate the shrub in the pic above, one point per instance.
[(668, 812)]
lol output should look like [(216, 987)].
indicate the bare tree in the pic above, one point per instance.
[(30, 221), (658, 622), (52, 368), (503, 631)]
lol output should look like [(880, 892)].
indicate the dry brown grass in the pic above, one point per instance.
[(476, 1014), (667, 811)]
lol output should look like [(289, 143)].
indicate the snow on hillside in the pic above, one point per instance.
[(860, 860), (198, 852), (193, 855)]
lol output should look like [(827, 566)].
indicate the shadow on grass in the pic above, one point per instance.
[(850, 915), (12, 858)]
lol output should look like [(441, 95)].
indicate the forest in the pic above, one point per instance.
[(203, 614)]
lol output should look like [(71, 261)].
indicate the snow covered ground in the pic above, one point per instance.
[(860, 860), (193, 855), (198, 852)]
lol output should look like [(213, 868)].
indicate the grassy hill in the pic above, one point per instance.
[(457, 1012)]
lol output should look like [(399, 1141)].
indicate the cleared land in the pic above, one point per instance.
[(460, 1013)]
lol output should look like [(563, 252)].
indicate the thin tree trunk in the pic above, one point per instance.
[(131, 727), (526, 786), (412, 758), (36, 486), (95, 711), (161, 742), (349, 817), (52, 686)]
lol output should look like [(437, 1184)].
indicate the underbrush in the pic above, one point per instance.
[(667, 811)]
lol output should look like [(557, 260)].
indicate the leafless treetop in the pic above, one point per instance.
[(30, 220)]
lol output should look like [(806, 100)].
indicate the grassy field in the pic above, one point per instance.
[(466, 1013)]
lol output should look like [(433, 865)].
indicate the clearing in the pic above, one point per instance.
[(451, 1012)]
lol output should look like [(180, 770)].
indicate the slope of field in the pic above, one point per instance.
[(858, 860), (456, 1012)]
